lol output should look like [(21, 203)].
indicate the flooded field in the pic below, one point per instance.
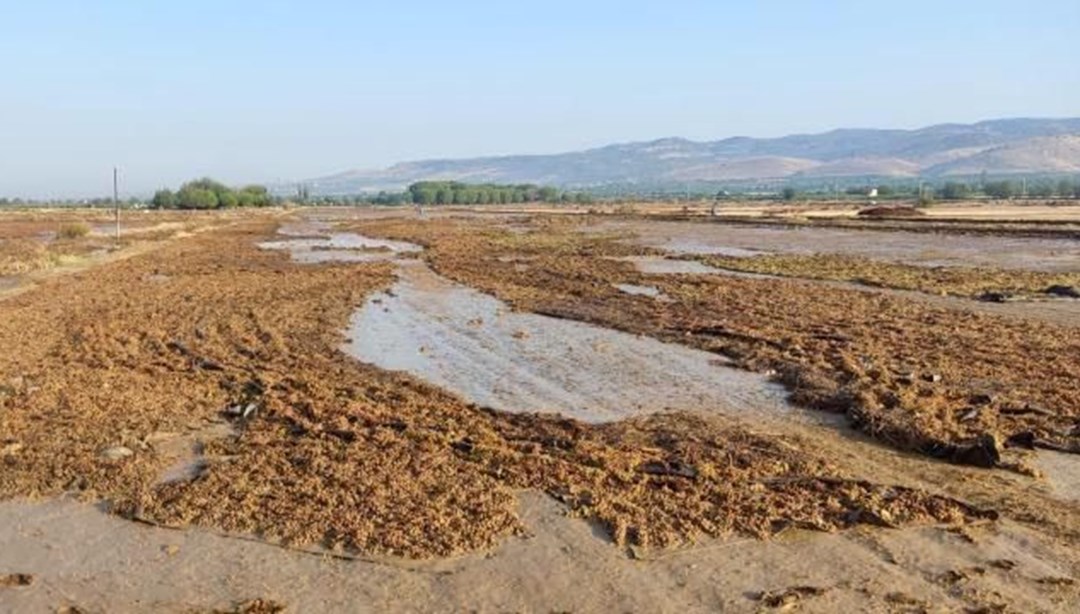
[(476, 346), (352, 409), (926, 249)]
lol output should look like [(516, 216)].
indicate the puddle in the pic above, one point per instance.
[(658, 265), (336, 246), (1062, 473), (636, 290), (473, 345), (686, 246)]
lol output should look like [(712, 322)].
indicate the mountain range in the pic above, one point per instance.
[(995, 147)]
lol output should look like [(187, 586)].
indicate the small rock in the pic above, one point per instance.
[(170, 549), (995, 297), (11, 448), (116, 453), (933, 378), (981, 399)]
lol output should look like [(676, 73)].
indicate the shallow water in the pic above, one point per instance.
[(337, 246), (658, 265), (474, 346), (925, 249), (637, 290)]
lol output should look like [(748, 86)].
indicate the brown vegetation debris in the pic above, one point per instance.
[(905, 372), (348, 456), (973, 282)]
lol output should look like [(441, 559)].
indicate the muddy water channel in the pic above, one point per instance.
[(475, 346)]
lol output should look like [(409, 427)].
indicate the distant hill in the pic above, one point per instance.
[(996, 147)]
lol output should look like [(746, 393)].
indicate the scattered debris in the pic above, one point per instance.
[(16, 579), (888, 211), (254, 606), (788, 597), (1063, 291), (117, 453)]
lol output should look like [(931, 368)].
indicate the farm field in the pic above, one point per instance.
[(302, 409)]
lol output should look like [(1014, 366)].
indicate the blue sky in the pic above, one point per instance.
[(273, 90)]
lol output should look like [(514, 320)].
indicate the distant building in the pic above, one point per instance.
[(872, 193)]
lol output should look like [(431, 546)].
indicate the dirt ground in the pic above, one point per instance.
[(345, 425)]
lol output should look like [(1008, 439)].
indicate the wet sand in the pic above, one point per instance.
[(475, 346), (80, 557)]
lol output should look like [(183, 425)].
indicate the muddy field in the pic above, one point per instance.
[(350, 410)]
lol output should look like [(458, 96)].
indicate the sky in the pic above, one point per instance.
[(268, 91)]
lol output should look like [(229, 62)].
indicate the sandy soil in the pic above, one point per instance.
[(79, 557)]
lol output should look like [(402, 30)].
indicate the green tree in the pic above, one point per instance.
[(1066, 188), (1042, 189), (228, 200), (257, 195), (163, 199), (1000, 189), (954, 190), (196, 198), (788, 193), (548, 194)]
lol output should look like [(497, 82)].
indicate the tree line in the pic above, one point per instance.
[(1002, 189), (209, 194), (457, 193)]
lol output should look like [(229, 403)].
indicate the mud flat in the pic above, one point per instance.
[(334, 246), (474, 345), (926, 249), (78, 557)]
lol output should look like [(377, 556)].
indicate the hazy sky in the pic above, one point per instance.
[(272, 90)]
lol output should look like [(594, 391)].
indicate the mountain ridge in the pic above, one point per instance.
[(997, 146)]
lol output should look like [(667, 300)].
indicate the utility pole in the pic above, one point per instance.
[(116, 199)]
